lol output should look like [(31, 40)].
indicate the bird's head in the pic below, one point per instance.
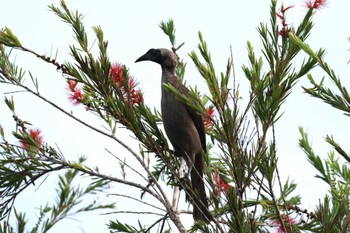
[(166, 58)]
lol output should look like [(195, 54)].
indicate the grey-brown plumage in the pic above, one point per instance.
[(184, 128)]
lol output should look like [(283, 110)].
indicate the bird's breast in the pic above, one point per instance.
[(179, 125)]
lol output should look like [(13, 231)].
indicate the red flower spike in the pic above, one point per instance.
[(132, 96), (219, 185), (116, 74), (132, 83), (281, 16), (136, 97), (75, 94), (206, 119), (36, 135), (282, 32), (287, 8), (72, 85), (288, 222), (317, 4)]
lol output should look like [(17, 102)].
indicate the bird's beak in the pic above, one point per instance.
[(154, 55), (145, 57)]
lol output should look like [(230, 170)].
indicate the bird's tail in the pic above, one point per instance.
[(200, 201)]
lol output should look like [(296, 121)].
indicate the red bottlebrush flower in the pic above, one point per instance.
[(282, 32), (287, 221), (72, 84), (206, 119), (317, 4), (130, 94), (36, 135), (281, 16), (136, 97), (133, 96), (75, 94), (116, 74), (287, 8), (132, 83), (219, 185)]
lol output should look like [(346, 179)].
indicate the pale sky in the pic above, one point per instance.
[(131, 27)]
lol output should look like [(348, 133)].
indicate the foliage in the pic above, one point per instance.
[(242, 162)]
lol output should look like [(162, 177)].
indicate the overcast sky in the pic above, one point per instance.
[(131, 27)]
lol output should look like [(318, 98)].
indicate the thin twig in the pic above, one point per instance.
[(124, 163), (135, 199), (134, 212), (277, 170), (271, 188), (156, 222)]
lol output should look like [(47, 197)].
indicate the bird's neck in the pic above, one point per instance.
[(167, 74)]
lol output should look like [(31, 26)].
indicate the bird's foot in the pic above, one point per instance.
[(183, 182)]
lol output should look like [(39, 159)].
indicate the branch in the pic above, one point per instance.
[(137, 200)]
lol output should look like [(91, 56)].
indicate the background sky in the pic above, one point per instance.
[(131, 27)]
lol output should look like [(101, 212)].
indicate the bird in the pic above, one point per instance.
[(184, 128)]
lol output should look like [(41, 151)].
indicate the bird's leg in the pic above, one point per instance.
[(180, 173), (184, 180)]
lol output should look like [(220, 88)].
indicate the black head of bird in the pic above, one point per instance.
[(164, 57)]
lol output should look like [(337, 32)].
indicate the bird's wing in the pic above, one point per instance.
[(197, 119)]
